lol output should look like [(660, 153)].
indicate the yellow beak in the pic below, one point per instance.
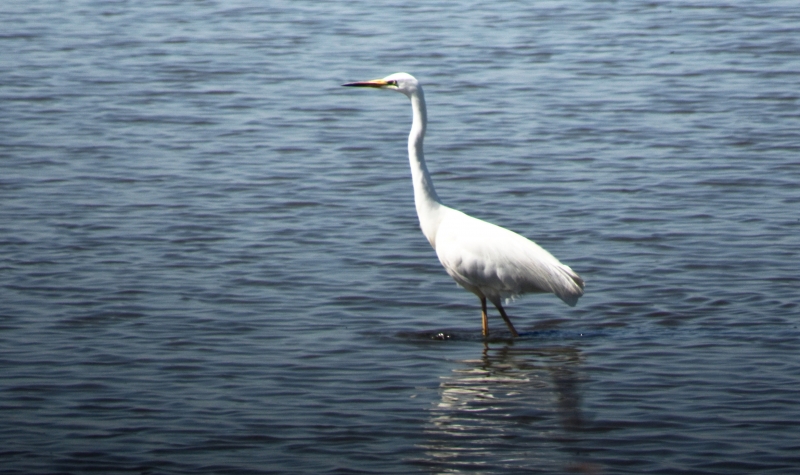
[(373, 83)]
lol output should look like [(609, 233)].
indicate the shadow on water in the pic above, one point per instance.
[(546, 334), (515, 407)]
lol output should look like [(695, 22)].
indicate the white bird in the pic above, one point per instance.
[(489, 261)]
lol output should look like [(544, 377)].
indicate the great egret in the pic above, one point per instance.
[(489, 261)]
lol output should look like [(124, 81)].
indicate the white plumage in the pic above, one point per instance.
[(488, 260)]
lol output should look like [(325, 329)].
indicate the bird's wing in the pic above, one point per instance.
[(501, 263)]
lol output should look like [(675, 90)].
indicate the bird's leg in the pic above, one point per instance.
[(484, 317), (505, 317)]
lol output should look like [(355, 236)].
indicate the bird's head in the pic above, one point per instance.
[(400, 82)]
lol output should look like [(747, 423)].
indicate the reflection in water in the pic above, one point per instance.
[(514, 408)]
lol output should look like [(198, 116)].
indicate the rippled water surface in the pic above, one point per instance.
[(211, 261)]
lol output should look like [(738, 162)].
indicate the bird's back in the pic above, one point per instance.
[(497, 263)]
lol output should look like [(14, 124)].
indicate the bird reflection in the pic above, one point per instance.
[(514, 407)]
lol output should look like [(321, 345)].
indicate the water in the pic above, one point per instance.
[(211, 262)]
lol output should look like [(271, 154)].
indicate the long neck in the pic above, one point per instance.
[(425, 197)]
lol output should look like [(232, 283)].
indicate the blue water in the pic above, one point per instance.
[(210, 260)]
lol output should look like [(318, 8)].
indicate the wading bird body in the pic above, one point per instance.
[(488, 260)]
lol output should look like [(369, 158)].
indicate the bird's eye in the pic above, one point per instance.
[(392, 83)]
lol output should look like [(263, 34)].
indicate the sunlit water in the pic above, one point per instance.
[(211, 262)]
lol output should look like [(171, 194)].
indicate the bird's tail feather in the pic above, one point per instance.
[(572, 288)]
